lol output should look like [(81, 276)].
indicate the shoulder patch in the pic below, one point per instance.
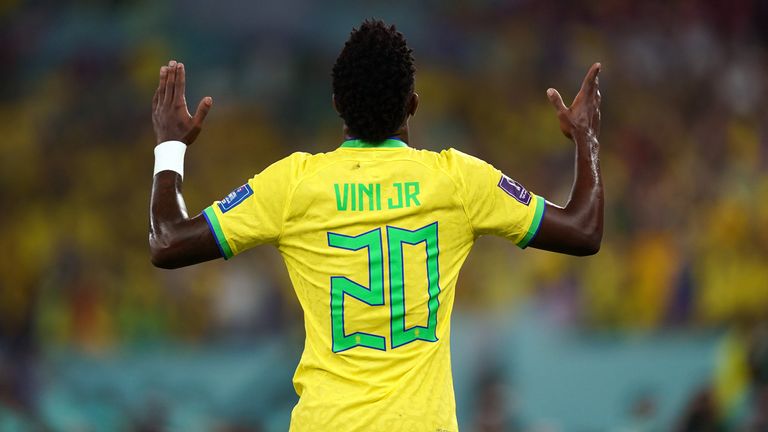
[(514, 189), (235, 197)]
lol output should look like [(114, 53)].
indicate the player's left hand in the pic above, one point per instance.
[(170, 116), (583, 116)]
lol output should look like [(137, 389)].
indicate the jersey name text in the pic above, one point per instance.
[(368, 196)]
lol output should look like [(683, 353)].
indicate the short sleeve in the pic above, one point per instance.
[(253, 213), (495, 203)]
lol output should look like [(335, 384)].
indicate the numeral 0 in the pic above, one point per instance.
[(373, 295)]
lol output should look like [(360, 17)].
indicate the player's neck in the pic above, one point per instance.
[(401, 134)]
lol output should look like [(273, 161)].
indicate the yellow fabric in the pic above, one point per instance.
[(297, 201)]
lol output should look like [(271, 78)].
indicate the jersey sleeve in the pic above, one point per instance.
[(253, 213), (496, 204)]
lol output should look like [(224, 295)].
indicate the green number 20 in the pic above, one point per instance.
[(373, 295)]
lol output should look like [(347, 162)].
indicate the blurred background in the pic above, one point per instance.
[(665, 329)]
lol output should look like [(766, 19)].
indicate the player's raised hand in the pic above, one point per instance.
[(583, 116), (170, 116)]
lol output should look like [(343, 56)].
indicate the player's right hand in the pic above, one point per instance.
[(170, 116), (583, 116)]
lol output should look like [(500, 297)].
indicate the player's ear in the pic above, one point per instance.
[(333, 101), (413, 104)]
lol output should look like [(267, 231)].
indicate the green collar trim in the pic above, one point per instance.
[(387, 143)]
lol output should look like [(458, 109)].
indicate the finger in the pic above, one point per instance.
[(180, 84), (590, 79), (170, 83), (160, 92), (556, 100), (202, 110)]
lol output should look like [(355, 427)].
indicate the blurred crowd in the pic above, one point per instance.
[(684, 156)]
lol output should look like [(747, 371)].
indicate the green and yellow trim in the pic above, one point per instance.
[(218, 234), (538, 215), (387, 143)]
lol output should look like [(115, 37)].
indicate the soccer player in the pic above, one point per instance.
[(373, 234)]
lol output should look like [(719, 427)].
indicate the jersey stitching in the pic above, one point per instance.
[(288, 202), (461, 200), (299, 181)]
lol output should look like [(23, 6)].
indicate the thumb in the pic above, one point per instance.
[(556, 100), (202, 110)]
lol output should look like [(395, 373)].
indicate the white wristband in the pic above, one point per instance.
[(169, 155)]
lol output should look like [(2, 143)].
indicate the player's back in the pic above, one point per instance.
[(373, 239)]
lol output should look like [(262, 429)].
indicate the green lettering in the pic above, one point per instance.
[(411, 190), (366, 190), (341, 205), (399, 204)]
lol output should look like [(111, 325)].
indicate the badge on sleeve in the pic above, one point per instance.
[(235, 197), (514, 189)]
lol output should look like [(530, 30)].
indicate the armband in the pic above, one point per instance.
[(169, 155)]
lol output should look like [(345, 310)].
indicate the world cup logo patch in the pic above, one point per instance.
[(235, 197), (514, 189)]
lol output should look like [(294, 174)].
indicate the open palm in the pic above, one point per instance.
[(170, 117)]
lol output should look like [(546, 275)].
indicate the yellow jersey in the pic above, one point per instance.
[(373, 237)]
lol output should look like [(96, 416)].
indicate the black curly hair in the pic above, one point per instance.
[(373, 81)]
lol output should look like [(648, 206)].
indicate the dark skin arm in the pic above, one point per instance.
[(175, 239), (577, 228)]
